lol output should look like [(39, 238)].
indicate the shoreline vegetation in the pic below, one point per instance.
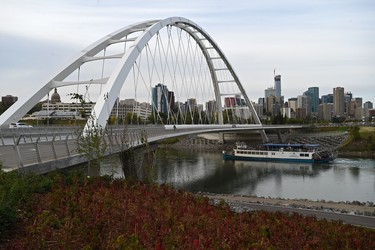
[(69, 210), (358, 142), (73, 211)]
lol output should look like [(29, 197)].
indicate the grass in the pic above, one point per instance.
[(362, 139)]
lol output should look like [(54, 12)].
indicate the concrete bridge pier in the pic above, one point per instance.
[(138, 163), (221, 138)]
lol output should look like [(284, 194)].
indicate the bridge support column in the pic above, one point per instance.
[(221, 138), (279, 136)]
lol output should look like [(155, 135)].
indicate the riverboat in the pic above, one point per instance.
[(289, 152)]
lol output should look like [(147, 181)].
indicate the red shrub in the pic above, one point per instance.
[(108, 214)]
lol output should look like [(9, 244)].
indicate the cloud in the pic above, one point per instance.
[(323, 43)]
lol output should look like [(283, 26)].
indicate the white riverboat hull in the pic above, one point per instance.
[(280, 155)]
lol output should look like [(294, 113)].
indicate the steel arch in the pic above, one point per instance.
[(114, 83)]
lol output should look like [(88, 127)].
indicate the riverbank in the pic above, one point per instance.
[(354, 207), (350, 154), (360, 144)]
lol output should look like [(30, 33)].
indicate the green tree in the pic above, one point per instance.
[(370, 143), (92, 144), (36, 108), (355, 133)]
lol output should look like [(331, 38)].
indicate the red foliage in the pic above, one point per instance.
[(110, 214)]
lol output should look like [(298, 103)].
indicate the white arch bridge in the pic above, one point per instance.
[(175, 52), (171, 70), (44, 149)]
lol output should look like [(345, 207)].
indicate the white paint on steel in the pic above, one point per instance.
[(104, 104), (24, 104)]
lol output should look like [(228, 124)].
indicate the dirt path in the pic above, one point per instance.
[(368, 209)]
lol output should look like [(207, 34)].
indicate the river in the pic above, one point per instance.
[(343, 180)]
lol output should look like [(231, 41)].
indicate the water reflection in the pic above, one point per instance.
[(345, 179), (210, 173)]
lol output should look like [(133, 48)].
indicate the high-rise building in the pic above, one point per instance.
[(303, 101), (229, 102), (278, 85), (313, 94), (368, 105), (160, 96), (8, 100), (258, 109), (325, 111), (338, 101), (348, 96), (211, 108), (355, 106), (347, 99), (269, 91), (261, 100), (327, 98), (286, 112), (269, 98), (273, 104), (292, 103), (171, 100), (191, 105), (301, 113)]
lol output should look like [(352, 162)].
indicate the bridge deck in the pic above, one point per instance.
[(20, 148)]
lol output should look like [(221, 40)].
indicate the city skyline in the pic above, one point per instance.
[(320, 43)]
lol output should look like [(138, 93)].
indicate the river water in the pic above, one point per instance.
[(343, 180)]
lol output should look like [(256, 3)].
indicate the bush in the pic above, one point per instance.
[(115, 214), (16, 189)]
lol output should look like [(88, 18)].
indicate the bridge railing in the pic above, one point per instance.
[(21, 148), (29, 148)]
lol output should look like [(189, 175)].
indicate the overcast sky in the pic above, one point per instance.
[(323, 43)]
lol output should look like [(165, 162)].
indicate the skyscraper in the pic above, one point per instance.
[(304, 101), (160, 96), (327, 98), (269, 91), (278, 85), (368, 105), (313, 94), (8, 100), (338, 101)]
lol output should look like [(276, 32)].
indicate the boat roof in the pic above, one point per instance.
[(291, 145)]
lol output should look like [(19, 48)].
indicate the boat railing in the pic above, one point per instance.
[(241, 145)]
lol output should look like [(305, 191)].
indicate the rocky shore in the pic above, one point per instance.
[(238, 203)]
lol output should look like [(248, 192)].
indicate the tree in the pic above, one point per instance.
[(91, 144), (36, 108), (355, 133)]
